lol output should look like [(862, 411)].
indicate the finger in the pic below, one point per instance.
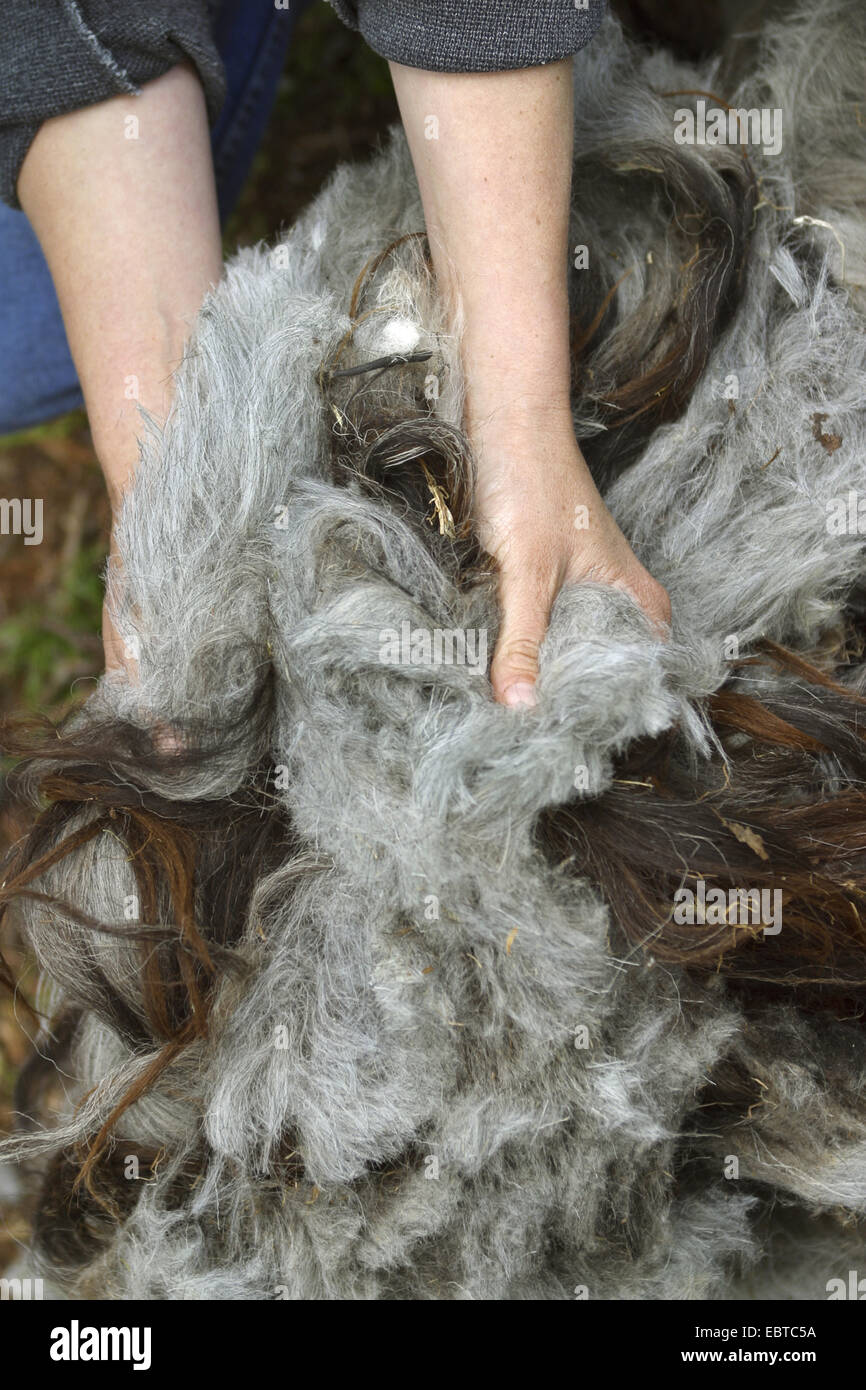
[(525, 614)]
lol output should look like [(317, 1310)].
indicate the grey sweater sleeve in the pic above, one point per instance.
[(58, 55), (473, 35)]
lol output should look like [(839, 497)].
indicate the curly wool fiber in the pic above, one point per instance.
[(433, 1070)]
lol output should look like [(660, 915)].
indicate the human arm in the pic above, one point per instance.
[(495, 188), (130, 231)]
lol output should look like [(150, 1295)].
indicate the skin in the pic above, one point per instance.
[(130, 231), (131, 235), (496, 192)]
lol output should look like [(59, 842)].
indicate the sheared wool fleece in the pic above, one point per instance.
[(419, 975)]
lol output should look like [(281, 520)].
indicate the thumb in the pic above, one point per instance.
[(525, 612)]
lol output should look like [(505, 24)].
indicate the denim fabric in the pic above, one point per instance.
[(37, 375)]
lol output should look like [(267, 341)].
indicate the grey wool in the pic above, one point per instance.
[(432, 1067)]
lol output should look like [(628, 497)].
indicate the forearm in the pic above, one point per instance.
[(495, 186), (130, 231)]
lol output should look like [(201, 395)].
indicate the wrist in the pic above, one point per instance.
[(519, 374), (131, 375), (519, 419), (116, 444)]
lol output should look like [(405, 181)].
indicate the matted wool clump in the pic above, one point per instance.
[(364, 986)]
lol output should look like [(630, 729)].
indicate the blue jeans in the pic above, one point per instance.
[(38, 379)]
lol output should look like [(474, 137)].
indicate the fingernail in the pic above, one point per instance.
[(521, 693)]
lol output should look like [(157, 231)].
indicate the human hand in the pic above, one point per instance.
[(120, 657), (540, 515)]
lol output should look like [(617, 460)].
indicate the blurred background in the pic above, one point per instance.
[(335, 101)]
